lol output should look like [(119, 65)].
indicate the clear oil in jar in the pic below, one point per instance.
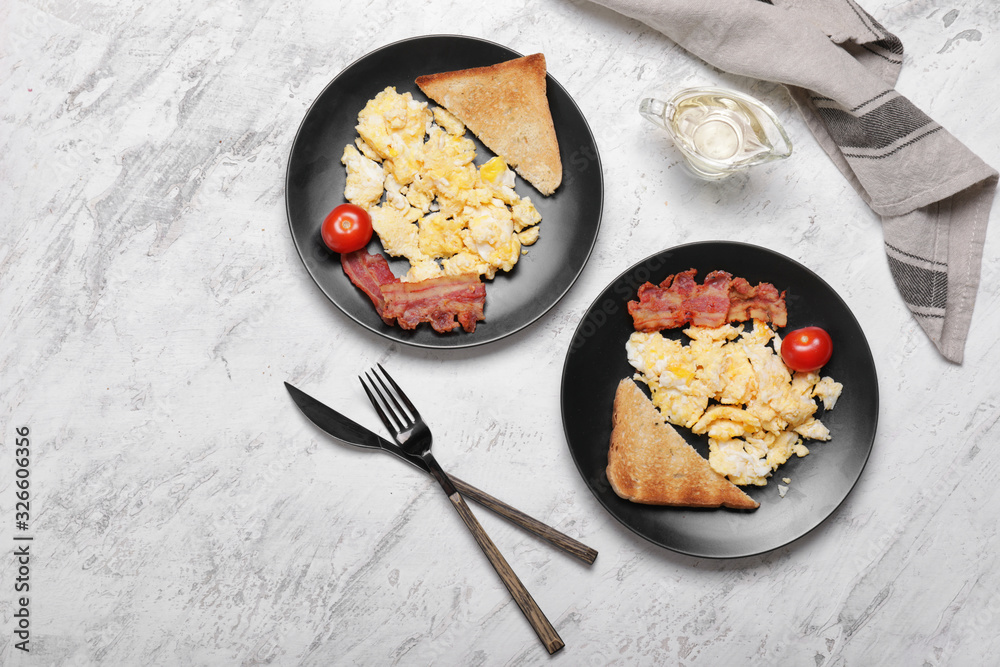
[(719, 128), (719, 131)]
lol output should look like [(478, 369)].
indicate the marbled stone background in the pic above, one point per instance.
[(152, 303)]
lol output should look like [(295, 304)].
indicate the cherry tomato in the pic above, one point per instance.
[(806, 349), (347, 228)]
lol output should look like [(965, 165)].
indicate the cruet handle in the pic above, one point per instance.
[(654, 111)]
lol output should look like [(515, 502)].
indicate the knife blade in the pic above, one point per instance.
[(346, 430)]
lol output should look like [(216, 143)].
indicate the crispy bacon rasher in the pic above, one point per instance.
[(679, 300), (762, 302), (438, 301), (369, 273), (446, 302)]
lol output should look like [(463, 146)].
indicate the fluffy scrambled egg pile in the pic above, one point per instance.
[(441, 212), (733, 386)]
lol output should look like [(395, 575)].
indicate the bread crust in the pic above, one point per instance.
[(506, 106), (650, 463)]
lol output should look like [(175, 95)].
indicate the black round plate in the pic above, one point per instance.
[(597, 361), (315, 184)]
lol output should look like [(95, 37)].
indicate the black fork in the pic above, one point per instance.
[(413, 436)]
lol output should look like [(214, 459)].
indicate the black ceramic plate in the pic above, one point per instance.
[(597, 361), (315, 184)]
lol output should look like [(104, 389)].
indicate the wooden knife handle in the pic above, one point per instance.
[(529, 523), (550, 638)]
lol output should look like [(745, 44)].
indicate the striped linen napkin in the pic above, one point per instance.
[(840, 65)]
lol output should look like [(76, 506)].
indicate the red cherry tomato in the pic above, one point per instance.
[(806, 349), (347, 228)]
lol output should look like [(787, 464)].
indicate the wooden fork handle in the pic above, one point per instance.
[(529, 523), (550, 638)]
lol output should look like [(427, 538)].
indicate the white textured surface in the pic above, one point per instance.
[(152, 303)]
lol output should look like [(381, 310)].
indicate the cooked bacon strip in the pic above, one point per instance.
[(370, 273), (709, 303), (762, 302), (438, 301), (680, 300), (659, 307)]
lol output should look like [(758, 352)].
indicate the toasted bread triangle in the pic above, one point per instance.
[(506, 106), (650, 463)]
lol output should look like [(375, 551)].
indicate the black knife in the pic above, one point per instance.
[(346, 430)]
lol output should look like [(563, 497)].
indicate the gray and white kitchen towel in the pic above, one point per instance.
[(933, 194)]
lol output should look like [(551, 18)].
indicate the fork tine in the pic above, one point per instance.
[(389, 422), (392, 400), (400, 392)]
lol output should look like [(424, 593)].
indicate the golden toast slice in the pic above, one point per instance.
[(505, 105), (650, 463)]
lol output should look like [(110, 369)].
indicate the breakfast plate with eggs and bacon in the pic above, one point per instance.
[(478, 226), (719, 399)]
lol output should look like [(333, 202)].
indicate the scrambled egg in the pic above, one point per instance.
[(731, 385), (440, 211)]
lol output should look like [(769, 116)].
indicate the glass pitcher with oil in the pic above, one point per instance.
[(719, 132)]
